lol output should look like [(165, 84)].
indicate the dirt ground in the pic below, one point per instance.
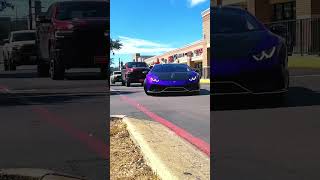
[(126, 160)]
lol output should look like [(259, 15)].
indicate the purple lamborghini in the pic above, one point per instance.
[(247, 58), (172, 78)]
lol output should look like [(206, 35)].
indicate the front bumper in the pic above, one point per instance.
[(272, 81), (171, 87)]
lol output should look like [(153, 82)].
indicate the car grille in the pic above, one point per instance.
[(137, 75), (159, 88)]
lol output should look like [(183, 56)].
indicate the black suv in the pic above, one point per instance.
[(73, 34)]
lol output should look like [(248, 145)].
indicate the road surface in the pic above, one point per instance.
[(57, 125), (191, 113), (255, 139)]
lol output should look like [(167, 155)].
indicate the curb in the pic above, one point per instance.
[(169, 156), (204, 81)]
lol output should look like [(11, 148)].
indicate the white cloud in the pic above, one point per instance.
[(196, 2), (146, 47)]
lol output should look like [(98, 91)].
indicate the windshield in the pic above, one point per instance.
[(233, 21), (137, 64), (171, 68), (30, 36), (80, 10)]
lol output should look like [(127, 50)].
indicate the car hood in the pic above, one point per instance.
[(232, 53), (167, 76)]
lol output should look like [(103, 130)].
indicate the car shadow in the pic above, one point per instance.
[(296, 97), (23, 99)]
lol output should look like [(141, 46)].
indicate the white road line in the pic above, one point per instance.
[(302, 76)]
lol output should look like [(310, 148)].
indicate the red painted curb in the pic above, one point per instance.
[(200, 144)]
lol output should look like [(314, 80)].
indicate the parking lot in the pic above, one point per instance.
[(256, 139)]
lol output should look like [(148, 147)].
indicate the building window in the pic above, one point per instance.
[(284, 11)]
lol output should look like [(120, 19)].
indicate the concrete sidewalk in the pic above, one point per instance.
[(170, 156)]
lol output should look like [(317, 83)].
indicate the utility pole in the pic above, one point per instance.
[(119, 65), (30, 14)]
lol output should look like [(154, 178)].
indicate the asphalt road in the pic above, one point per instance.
[(191, 113), (257, 139), (57, 125)]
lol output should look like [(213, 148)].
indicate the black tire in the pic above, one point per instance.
[(57, 69), (6, 67), (104, 71), (12, 66), (127, 83), (43, 69), (145, 90)]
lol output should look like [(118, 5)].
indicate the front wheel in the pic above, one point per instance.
[(6, 67), (43, 70), (56, 70), (12, 66), (127, 83), (145, 90)]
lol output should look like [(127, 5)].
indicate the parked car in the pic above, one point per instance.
[(134, 72), (247, 57), (177, 78), (116, 77), (20, 49), (73, 34)]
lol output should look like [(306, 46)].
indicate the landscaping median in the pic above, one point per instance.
[(168, 155)]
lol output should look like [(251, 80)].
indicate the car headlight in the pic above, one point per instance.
[(154, 80), (193, 78), (266, 54)]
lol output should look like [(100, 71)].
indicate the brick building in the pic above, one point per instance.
[(196, 54), (278, 10)]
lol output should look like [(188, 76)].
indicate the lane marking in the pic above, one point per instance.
[(94, 144), (199, 143)]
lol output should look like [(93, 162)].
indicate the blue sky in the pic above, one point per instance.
[(154, 27)]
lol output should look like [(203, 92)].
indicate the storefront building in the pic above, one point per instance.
[(301, 18), (196, 54), (278, 10)]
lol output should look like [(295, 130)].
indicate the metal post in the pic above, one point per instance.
[(30, 14)]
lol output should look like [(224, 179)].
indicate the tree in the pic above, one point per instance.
[(114, 45), (4, 4)]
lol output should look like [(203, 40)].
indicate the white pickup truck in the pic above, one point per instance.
[(20, 49)]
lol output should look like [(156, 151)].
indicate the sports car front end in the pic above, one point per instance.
[(248, 62), (172, 82)]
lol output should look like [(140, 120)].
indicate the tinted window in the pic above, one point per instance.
[(233, 21), (82, 10), (171, 68), (136, 64), (23, 37)]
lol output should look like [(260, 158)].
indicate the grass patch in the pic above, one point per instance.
[(126, 160), (312, 62)]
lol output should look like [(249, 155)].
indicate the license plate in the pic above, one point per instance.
[(100, 60)]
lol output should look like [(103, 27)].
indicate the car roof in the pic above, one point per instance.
[(23, 31)]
